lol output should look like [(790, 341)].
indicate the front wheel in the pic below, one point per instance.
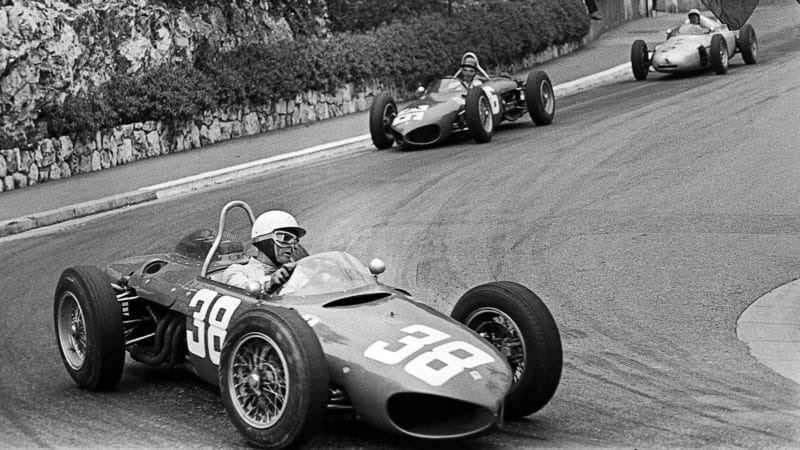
[(381, 114), (748, 44), (274, 378), (640, 63), (516, 322), (539, 98), (478, 115), (89, 328), (719, 54)]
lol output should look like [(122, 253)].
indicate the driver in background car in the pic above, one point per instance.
[(696, 20), (471, 73), (275, 234)]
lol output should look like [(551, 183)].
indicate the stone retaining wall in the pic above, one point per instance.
[(66, 156)]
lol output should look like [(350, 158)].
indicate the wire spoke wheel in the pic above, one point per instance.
[(389, 113), (548, 98), (503, 333), (72, 330), (485, 111), (259, 379)]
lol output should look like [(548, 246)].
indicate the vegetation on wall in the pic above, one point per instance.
[(403, 53)]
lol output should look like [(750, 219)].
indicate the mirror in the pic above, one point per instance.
[(420, 91), (377, 266), (253, 288)]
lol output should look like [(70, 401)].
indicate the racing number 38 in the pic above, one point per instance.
[(210, 323), (435, 366)]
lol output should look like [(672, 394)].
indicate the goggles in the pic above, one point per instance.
[(468, 69), (284, 238)]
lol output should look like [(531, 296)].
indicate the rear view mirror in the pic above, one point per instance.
[(420, 91)]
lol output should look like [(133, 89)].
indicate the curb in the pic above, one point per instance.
[(770, 327), (226, 175)]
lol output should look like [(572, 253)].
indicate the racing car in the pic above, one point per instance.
[(447, 107), (333, 338), (691, 47)]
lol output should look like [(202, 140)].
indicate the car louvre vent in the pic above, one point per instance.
[(356, 300)]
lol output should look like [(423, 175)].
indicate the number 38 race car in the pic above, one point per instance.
[(447, 107), (332, 338)]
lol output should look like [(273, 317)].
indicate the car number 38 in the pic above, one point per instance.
[(451, 357)]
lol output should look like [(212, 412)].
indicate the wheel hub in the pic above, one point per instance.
[(254, 381)]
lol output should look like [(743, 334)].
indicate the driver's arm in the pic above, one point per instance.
[(279, 277)]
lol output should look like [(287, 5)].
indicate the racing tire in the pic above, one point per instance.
[(539, 98), (273, 378), (89, 329), (640, 63), (719, 54), (506, 313), (381, 114), (478, 115), (748, 44)]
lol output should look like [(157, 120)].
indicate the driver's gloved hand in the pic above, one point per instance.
[(280, 276)]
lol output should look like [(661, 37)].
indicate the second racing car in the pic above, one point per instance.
[(449, 107), (332, 338)]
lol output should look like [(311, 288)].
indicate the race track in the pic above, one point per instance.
[(648, 217)]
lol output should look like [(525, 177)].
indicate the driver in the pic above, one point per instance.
[(469, 68), (275, 234), (695, 19)]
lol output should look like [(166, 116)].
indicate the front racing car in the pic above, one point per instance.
[(332, 338)]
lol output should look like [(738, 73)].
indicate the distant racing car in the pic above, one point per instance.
[(692, 47), (332, 338), (447, 107)]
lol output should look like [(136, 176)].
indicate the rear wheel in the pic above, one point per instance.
[(274, 378), (478, 115), (89, 329), (719, 54), (381, 114), (640, 63), (516, 322), (748, 44), (539, 98)]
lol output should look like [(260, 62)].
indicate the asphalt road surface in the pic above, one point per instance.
[(648, 216)]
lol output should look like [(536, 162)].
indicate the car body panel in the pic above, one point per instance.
[(682, 53), (384, 349)]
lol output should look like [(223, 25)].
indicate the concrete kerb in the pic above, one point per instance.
[(218, 177)]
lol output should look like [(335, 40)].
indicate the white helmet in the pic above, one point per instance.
[(270, 221)]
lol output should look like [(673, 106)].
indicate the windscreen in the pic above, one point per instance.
[(733, 13), (447, 85), (325, 273)]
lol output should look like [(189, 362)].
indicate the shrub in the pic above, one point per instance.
[(404, 54)]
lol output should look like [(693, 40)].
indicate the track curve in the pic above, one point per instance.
[(648, 216)]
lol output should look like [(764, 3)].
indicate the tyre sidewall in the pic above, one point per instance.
[(639, 63), (543, 354), (536, 82), (472, 115), (105, 342), (718, 45), (747, 36), (376, 127), (307, 373)]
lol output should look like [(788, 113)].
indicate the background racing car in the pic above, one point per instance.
[(691, 47), (447, 107), (282, 360)]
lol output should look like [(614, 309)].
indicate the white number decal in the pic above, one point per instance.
[(447, 356), (410, 114), (412, 344), (208, 339), (493, 100)]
